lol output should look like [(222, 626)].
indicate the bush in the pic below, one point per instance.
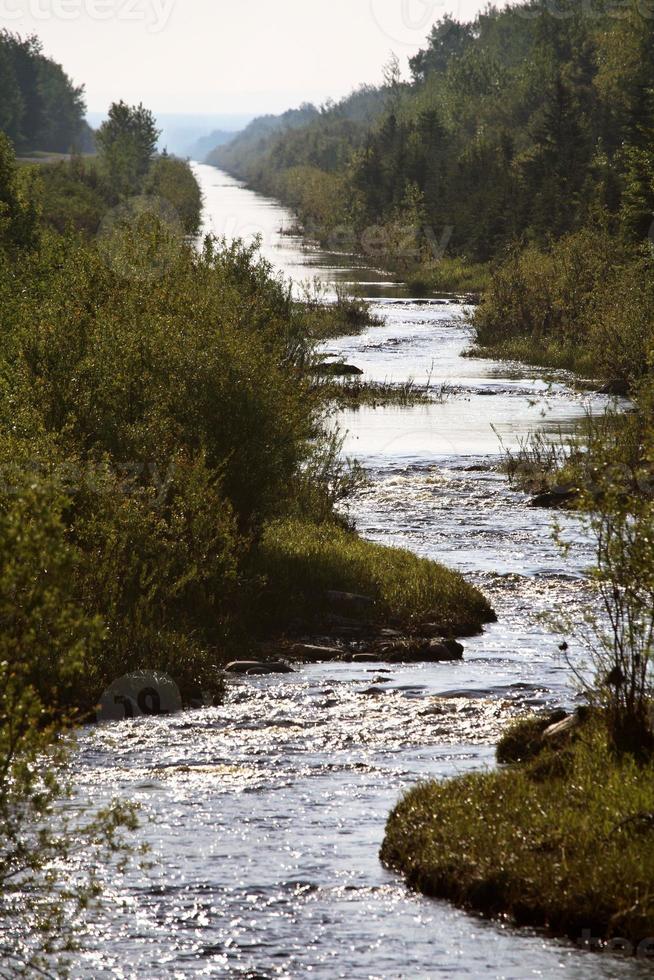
[(173, 180), (46, 644), (587, 303)]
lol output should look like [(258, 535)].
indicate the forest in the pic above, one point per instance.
[(522, 125), (41, 109)]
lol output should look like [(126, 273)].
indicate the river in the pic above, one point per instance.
[(265, 815)]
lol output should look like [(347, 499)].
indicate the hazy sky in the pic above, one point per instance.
[(222, 56)]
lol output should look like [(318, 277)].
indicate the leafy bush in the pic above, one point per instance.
[(47, 642), (586, 303), (173, 180)]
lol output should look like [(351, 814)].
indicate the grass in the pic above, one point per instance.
[(344, 317), (564, 841), (353, 394), (554, 353), (453, 275), (301, 561)]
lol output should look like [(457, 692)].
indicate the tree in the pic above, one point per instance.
[(19, 210), (126, 143)]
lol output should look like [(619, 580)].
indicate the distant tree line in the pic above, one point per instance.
[(520, 124), (40, 107)]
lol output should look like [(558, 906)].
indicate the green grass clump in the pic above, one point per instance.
[(451, 275), (375, 394), (302, 561), (565, 842)]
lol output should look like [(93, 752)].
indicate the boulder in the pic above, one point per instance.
[(423, 651), (258, 666), (315, 654), (617, 387), (556, 497)]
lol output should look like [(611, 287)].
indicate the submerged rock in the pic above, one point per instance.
[(337, 369), (258, 666), (556, 497)]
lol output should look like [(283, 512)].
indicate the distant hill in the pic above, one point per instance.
[(202, 147), (180, 132), (257, 133)]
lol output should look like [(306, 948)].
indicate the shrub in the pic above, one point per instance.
[(173, 180)]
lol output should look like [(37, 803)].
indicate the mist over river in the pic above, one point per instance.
[(265, 815)]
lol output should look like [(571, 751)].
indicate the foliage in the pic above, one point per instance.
[(74, 195), (587, 302), (173, 181), (126, 143), (46, 643), (40, 107), (19, 211), (524, 842)]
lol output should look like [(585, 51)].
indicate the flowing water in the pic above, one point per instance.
[(265, 815)]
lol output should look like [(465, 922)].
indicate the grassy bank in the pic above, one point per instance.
[(564, 841), (449, 275), (302, 561)]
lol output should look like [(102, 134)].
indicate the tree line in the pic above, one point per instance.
[(522, 123), (40, 107)]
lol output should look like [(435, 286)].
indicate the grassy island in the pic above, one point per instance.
[(563, 840)]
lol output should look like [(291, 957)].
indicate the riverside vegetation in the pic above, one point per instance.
[(168, 489), (523, 146)]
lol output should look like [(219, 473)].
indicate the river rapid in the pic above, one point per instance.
[(265, 815)]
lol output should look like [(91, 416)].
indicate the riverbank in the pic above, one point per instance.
[(563, 841)]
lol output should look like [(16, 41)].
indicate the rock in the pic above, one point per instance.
[(250, 666), (423, 651), (361, 658), (337, 369), (616, 387), (559, 728), (315, 654), (556, 497)]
